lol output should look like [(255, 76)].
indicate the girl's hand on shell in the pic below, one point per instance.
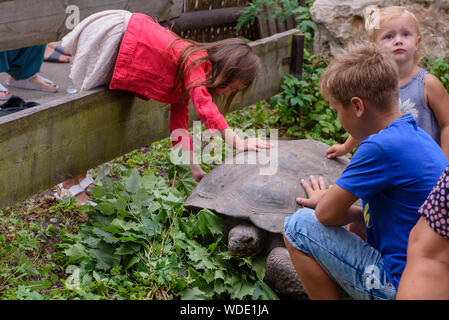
[(255, 144)]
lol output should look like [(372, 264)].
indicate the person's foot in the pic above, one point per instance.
[(53, 55), (54, 45), (4, 93), (38, 81), (80, 195)]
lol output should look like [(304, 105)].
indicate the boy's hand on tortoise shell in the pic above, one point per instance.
[(314, 192)]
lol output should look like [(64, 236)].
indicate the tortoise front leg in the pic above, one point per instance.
[(282, 274)]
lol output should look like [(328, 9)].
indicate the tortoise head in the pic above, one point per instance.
[(246, 239)]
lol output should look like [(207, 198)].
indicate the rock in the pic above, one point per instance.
[(340, 22)]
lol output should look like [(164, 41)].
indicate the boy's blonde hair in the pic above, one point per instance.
[(375, 16), (365, 71)]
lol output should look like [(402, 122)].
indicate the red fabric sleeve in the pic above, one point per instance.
[(207, 110)]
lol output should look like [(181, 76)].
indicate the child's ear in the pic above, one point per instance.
[(358, 106), (418, 41)]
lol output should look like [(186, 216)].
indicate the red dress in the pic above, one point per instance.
[(146, 66)]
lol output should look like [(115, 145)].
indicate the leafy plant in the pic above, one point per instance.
[(301, 109), (439, 67), (141, 242), (280, 10)]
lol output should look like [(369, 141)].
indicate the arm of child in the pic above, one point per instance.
[(338, 150), (212, 118), (253, 144), (437, 99)]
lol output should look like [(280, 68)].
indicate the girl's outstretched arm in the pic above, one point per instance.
[(437, 100), (254, 144)]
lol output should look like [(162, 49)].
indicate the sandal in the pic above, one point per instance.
[(68, 193), (58, 48), (27, 84), (4, 90), (87, 181), (56, 55), (73, 192)]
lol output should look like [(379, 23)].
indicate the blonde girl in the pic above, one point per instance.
[(421, 93)]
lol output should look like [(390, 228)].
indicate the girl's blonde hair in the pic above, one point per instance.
[(375, 17)]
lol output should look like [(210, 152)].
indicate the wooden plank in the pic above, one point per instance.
[(290, 22), (297, 55), (31, 22), (271, 24), (55, 141), (280, 26), (262, 24), (206, 19)]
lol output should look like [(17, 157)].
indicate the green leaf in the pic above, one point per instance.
[(92, 242), (240, 288), (127, 248), (149, 227), (132, 183), (38, 285), (200, 255), (106, 208), (120, 223), (76, 253), (259, 265), (106, 236), (105, 257), (208, 222), (154, 206), (131, 262), (193, 294), (172, 198), (263, 292)]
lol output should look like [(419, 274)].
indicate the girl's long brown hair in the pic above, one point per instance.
[(231, 59)]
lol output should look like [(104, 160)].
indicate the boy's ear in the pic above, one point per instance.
[(358, 106)]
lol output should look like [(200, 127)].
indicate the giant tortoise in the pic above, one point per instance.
[(253, 194)]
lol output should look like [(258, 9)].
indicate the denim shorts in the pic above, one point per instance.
[(351, 262)]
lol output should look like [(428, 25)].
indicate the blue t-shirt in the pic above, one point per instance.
[(393, 172)]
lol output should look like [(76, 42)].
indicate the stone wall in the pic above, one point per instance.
[(339, 22)]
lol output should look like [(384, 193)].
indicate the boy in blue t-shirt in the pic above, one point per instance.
[(392, 171)]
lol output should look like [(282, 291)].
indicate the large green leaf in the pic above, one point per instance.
[(105, 256), (76, 253)]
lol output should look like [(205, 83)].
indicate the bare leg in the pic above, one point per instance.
[(316, 281)]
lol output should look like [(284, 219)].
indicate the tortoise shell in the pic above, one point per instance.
[(264, 192)]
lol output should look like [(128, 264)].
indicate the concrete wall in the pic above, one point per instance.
[(25, 23), (47, 144)]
